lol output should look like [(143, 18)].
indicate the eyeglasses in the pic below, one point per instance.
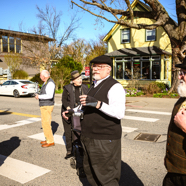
[(99, 67), (182, 73)]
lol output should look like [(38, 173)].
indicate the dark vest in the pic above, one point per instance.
[(46, 102), (96, 124), (175, 160), (71, 94)]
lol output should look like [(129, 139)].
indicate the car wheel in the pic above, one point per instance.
[(16, 94)]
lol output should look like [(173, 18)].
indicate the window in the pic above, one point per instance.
[(6, 83), (119, 70), (18, 45), (127, 73), (151, 35), (136, 70), (156, 70), (144, 67), (11, 44), (146, 70), (5, 43), (125, 35), (14, 83)]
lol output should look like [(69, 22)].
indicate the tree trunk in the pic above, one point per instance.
[(175, 82)]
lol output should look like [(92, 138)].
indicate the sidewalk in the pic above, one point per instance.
[(150, 103)]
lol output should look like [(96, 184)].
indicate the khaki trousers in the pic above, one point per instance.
[(46, 117)]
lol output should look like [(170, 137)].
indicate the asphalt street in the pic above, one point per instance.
[(24, 162)]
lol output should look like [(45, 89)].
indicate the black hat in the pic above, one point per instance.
[(182, 65), (75, 74), (102, 59)]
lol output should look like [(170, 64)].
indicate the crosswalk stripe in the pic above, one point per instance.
[(149, 112), (20, 123), (128, 129), (140, 118), (20, 171), (57, 138)]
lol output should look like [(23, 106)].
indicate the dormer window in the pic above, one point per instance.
[(125, 35), (151, 35)]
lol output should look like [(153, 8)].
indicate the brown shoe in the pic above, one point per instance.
[(48, 145), (43, 142)]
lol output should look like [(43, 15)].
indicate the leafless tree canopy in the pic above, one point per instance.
[(116, 8), (50, 21)]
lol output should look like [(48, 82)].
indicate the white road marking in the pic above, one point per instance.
[(140, 118), (20, 171), (20, 123), (59, 139), (128, 129), (149, 112)]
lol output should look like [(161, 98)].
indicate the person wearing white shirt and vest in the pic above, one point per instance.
[(104, 107), (46, 103)]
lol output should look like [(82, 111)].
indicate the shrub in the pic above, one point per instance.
[(37, 79), (132, 92), (20, 74)]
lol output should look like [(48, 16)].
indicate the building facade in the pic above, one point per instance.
[(20, 46), (141, 55)]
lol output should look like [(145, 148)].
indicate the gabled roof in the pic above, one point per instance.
[(137, 51), (23, 34), (133, 5)]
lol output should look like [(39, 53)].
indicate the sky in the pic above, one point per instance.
[(14, 13)]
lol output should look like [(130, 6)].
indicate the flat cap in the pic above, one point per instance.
[(102, 59)]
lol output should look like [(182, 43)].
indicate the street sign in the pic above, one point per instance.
[(87, 71)]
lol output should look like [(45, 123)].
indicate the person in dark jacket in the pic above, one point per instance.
[(71, 100), (175, 159)]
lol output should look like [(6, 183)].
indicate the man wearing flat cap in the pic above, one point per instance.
[(175, 159), (104, 107), (70, 100)]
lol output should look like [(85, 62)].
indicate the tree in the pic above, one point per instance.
[(61, 71), (78, 50), (51, 20), (41, 53), (14, 61), (96, 48), (175, 31)]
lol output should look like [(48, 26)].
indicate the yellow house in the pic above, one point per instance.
[(141, 55)]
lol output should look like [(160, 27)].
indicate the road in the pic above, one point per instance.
[(24, 162)]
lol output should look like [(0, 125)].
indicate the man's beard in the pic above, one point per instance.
[(96, 76), (182, 88)]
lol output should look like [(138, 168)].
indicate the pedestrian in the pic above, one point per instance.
[(71, 100), (104, 107), (175, 159), (46, 103)]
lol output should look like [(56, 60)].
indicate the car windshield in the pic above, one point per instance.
[(27, 82)]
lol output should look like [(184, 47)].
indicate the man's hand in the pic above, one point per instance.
[(63, 114), (36, 96), (180, 120), (66, 114), (89, 101)]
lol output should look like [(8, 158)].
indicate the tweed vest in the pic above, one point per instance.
[(175, 159), (96, 124), (46, 102)]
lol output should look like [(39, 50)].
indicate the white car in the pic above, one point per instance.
[(84, 77), (18, 87)]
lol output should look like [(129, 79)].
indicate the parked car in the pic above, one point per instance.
[(84, 77), (18, 87)]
